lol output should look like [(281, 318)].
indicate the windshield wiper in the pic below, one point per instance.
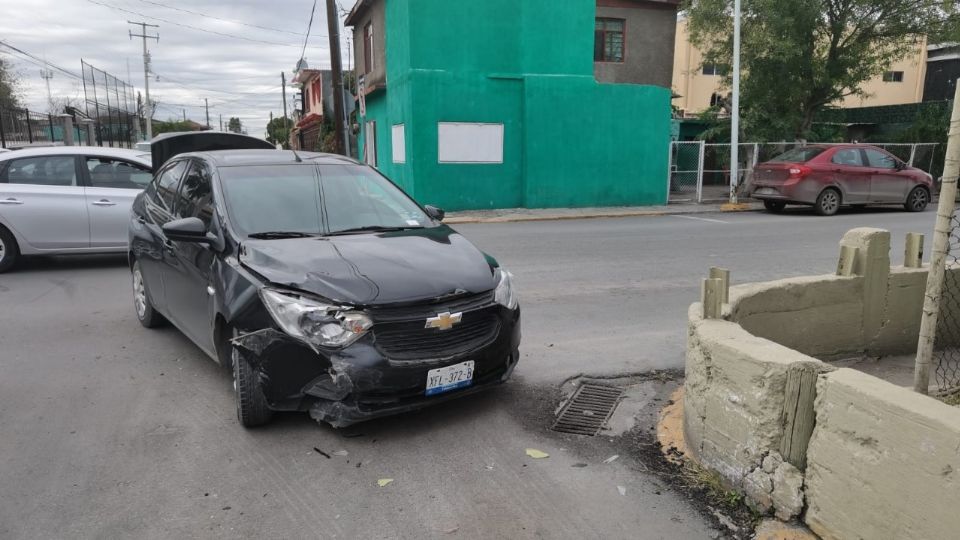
[(277, 235), (371, 228)]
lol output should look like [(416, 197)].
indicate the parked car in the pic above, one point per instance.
[(830, 176), (67, 199), (321, 284)]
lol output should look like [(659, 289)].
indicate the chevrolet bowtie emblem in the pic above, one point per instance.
[(444, 321)]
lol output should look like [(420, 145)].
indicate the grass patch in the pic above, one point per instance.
[(712, 484), (953, 399)]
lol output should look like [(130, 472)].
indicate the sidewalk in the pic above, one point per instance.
[(548, 214)]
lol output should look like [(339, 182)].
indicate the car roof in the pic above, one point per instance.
[(122, 153), (242, 158)]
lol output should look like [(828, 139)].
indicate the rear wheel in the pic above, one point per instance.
[(774, 207), (146, 314), (9, 251), (252, 407), (828, 203), (917, 200)]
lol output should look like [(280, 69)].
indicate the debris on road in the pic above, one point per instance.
[(537, 454), (341, 453), (611, 459), (321, 452), (579, 465), (451, 530), (622, 490), (384, 482)]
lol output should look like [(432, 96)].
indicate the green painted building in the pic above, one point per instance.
[(473, 104)]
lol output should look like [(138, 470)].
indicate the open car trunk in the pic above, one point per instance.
[(165, 146)]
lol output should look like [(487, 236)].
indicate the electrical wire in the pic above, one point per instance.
[(197, 28), (234, 21), (42, 61), (313, 10)]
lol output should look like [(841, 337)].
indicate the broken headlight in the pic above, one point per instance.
[(505, 294), (315, 322)]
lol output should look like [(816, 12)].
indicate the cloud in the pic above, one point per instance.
[(238, 77)]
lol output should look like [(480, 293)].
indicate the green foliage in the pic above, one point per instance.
[(173, 126), (235, 125), (278, 131), (9, 86), (799, 56)]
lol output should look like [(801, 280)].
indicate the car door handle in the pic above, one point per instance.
[(11, 200), (104, 202)]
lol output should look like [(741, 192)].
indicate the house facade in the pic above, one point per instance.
[(499, 104), (305, 134)]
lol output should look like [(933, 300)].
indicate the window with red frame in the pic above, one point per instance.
[(609, 40)]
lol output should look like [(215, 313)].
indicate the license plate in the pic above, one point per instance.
[(449, 378), (766, 191)]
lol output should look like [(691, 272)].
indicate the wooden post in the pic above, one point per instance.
[(938, 258), (798, 416), (711, 297), (724, 276), (848, 257), (913, 252)]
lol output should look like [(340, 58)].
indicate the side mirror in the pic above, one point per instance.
[(189, 229), (434, 212), (900, 165)]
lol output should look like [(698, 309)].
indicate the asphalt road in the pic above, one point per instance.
[(109, 430)]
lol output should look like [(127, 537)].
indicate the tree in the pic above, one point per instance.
[(9, 86), (801, 56), (235, 125), (278, 131)]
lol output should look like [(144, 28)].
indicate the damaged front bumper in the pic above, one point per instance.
[(365, 380)]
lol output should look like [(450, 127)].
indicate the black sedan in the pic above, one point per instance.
[(320, 283)]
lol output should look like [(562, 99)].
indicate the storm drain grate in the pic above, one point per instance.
[(588, 410)]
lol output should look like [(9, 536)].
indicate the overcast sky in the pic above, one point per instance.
[(232, 56)]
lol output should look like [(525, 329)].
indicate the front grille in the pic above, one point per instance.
[(410, 340)]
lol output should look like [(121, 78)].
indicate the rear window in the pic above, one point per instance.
[(799, 155)]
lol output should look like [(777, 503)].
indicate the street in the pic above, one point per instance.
[(112, 430)]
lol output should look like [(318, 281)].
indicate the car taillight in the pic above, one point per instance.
[(799, 171)]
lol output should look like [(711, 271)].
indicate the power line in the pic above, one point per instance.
[(234, 21), (309, 25), (197, 28), (42, 61)]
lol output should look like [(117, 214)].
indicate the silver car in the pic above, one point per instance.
[(67, 200)]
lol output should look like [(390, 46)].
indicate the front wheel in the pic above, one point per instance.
[(828, 203), (774, 207), (8, 250), (917, 200), (146, 313), (252, 409)]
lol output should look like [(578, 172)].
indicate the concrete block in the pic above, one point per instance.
[(883, 461), (758, 486), (771, 462), (787, 492)]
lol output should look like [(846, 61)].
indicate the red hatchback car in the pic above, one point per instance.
[(830, 176)]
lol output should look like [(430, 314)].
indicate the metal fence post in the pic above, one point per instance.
[(913, 153), (703, 150), (3, 134), (670, 169), (29, 126), (53, 137)]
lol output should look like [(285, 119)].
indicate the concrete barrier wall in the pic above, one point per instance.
[(763, 411), (883, 461)]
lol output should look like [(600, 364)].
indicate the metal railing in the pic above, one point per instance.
[(699, 172)]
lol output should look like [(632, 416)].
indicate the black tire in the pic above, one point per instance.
[(9, 250), (774, 207), (828, 203), (252, 409), (142, 306), (917, 200)]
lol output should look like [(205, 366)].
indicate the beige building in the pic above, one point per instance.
[(698, 85)]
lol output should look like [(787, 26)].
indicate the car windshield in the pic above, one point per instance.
[(799, 155), (276, 201)]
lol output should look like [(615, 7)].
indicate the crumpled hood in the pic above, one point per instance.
[(372, 269)]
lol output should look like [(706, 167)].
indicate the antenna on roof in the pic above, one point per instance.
[(295, 156)]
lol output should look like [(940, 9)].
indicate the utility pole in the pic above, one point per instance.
[(206, 106), (336, 66), (283, 88), (148, 109), (735, 113), (47, 74), (221, 122)]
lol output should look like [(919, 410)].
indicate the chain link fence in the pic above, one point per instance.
[(700, 171), (112, 105), (946, 351)]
